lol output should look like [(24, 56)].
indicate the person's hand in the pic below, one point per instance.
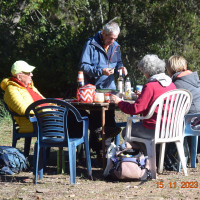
[(114, 99), (137, 92), (108, 71), (124, 70)]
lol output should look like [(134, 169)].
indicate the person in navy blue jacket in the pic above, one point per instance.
[(100, 60)]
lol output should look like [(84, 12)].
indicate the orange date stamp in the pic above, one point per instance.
[(182, 184)]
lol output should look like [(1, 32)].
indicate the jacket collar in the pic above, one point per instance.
[(13, 79)]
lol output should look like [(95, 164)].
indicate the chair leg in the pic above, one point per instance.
[(117, 139), (35, 162), (44, 158), (72, 162), (14, 141), (194, 151), (80, 152), (161, 157), (27, 144), (41, 162), (88, 160), (151, 152), (181, 154), (188, 156)]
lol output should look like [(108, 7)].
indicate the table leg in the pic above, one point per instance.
[(59, 160), (103, 136)]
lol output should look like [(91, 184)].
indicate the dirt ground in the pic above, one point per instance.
[(169, 185)]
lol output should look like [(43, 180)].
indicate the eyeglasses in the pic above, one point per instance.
[(27, 73), (111, 36)]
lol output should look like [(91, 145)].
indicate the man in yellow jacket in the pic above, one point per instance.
[(20, 93)]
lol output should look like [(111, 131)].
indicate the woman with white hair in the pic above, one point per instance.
[(158, 83)]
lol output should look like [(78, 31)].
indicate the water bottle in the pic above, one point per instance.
[(128, 89), (120, 84)]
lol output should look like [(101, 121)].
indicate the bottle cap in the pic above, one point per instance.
[(80, 76)]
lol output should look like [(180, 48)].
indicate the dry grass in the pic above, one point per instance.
[(56, 186)]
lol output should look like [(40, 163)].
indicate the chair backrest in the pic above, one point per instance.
[(172, 107), (51, 117), (13, 114), (192, 129)]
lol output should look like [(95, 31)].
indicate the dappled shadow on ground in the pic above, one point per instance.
[(51, 169), (10, 178), (57, 186)]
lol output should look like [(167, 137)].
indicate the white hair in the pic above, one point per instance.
[(151, 65), (112, 27)]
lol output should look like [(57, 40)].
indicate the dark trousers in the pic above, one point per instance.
[(95, 123)]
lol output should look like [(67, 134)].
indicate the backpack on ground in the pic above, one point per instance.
[(126, 163), (12, 160)]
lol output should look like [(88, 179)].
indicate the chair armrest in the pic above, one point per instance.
[(189, 117), (129, 124), (84, 118), (32, 119)]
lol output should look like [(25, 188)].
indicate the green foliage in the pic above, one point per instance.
[(4, 114), (159, 27), (50, 35)]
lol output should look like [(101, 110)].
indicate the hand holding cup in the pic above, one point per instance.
[(114, 99)]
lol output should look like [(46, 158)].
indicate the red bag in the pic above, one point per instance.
[(86, 93)]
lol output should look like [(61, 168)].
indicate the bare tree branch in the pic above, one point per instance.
[(101, 13), (17, 15)]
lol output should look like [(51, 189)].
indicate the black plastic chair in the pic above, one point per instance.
[(16, 135), (51, 119)]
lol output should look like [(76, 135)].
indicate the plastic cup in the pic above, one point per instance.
[(139, 88)]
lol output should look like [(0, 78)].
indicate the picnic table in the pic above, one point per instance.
[(98, 107)]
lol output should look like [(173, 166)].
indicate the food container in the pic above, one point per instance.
[(107, 91), (107, 97), (86, 93), (99, 97)]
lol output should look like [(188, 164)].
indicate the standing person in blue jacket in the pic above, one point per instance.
[(100, 60)]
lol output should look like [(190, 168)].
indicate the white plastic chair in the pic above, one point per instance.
[(172, 107)]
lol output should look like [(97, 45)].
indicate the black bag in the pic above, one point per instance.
[(12, 160)]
